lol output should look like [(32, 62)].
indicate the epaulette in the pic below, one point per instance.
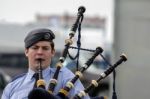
[(18, 76)]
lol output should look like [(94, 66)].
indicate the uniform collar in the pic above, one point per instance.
[(45, 72)]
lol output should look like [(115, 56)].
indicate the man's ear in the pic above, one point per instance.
[(26, 52), (53, 52)]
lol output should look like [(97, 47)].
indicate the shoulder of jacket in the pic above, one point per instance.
[(18, 76)]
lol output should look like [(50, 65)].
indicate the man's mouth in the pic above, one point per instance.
[(39, 59)]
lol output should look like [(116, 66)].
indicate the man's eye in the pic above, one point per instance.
[(34, 47), (46, 48)]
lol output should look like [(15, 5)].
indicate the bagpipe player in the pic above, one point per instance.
[(39, 45)]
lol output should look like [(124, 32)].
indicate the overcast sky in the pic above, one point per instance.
[(22, 11)]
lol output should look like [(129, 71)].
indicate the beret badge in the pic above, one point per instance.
[(47, 36)]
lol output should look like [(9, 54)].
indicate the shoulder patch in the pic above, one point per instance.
[(18, 76)]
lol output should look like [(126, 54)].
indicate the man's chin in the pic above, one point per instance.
[(43, 67)]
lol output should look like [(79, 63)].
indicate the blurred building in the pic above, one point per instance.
[(66, 21), (132, 22)]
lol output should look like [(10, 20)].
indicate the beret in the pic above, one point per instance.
[(37, 35)]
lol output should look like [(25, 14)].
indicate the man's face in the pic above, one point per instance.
[(41, 49)]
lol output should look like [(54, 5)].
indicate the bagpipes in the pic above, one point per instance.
[(53, 82), (64, 91), (41, 93), (95, 83)]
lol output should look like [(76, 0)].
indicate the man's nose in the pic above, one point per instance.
[(40, 51)]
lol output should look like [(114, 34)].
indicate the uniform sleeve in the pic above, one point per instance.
[(6, 92)]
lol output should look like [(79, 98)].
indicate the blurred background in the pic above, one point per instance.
[(118, 26)]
